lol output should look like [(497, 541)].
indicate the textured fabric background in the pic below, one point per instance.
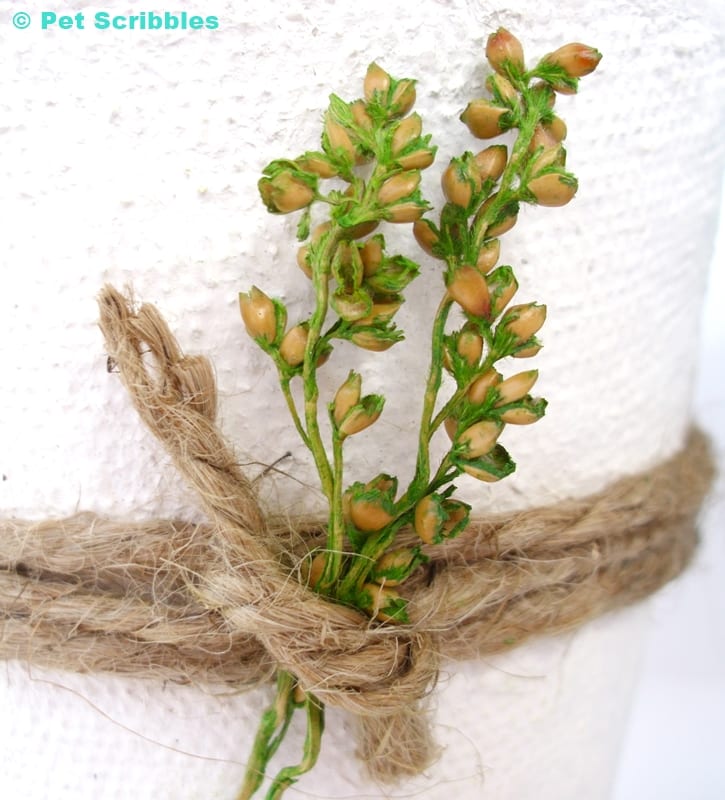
[(132, 156)]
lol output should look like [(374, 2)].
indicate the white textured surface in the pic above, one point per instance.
[(134, 156)]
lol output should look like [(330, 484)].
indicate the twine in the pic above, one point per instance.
[(222, 602)]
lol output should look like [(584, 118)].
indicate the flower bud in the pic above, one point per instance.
[(371, 255), (383, 598), (553, 189), (524, 321), (520, 416), (360, 115), (292, 348), (347, 396), (504, 50), (488, 256), (394, 561), (338, 138), (312, 569), (377, 82), (492, 161), (544, 138), (285, 192), (407, 131), (437, 518), (381, 311), (554, 156), (502, 285), (404, 212), (480, 473), (478, 390), (503, 223), (484, 119), (451, 426), (399, 186), (516, 387), (370, 340), (302, 262), (500, 87), (480, 437), (259, 314), (425, 235), (418, 159), (470, 346), (317, 164), (575, 59), (362, 415), (556, 128), (370, 515), (460, 181), (527, 352), (403, 98), (469, 289)]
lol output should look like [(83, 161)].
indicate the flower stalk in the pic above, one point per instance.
[(377, 147)]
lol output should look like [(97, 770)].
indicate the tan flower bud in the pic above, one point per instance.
[(553, 189), (480, 437), (404, 212), (488, 256), (525, 320), (552, 156), (483, 119), (399, 559), (459, 182), (469, 289), (425, 235), (418, 159), (377, 82), (403, 98), (498, 85), (504, 49), (381, 312), (368, 340), (516, 387), (360, 417), (479, 388), (292, 348), (556, 128), (528, 352), (520, 416), (360, 115), (543, 137), (347, 396), (502, 289), (492, 161), (502, 226), (399, 186), (480, 474), (259, 314), (369, 515), (285, 193), (381, 597), (575, 59), (470, 346), (435, 517), (338, 137), (362, 229), (371, 255), (312, 569), (302, 262), (317, 164), (407, 130)]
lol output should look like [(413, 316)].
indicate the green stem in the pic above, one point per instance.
[(320, 274), (315, 725), (285, 384), (433, 384), (336, 526), (275, 720)]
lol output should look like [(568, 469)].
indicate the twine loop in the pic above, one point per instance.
[(221, 602)]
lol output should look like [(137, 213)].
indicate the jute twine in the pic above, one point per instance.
[(221, 602)]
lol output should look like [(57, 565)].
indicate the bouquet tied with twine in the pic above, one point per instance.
[(357, 612)]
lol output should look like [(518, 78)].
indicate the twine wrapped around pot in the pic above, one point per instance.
[(222, 601)]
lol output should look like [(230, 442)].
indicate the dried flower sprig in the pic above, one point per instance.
[(377, 148)]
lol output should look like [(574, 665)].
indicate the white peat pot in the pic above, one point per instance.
[(132, 156)]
